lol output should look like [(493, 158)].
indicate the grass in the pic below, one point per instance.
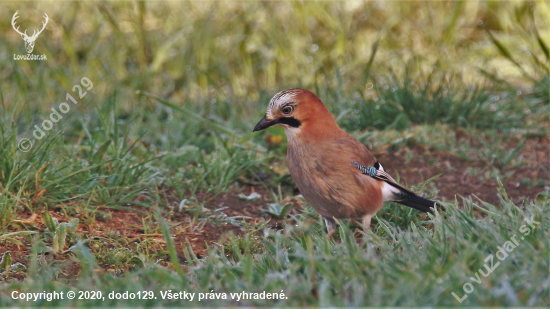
[(439, 99), (312, 270), (165, 132)]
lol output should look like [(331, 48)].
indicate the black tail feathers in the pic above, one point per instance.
[(416, 202), (409, 198)]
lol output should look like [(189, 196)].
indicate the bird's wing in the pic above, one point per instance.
[(377, 172), (402, 195), (381, 173)]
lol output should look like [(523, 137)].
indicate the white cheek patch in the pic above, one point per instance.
[(292, 133)]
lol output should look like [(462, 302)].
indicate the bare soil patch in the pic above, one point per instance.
[(455, 180), (413, 166)]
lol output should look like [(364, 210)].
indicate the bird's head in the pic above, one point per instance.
[(295, 109)]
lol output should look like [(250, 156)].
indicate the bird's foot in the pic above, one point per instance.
[(331, 226), (366, 221)]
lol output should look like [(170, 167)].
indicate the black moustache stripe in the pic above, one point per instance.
[(291, 121)]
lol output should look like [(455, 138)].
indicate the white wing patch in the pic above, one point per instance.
[(388, 192)]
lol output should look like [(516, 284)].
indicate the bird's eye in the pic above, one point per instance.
[(287, 110)]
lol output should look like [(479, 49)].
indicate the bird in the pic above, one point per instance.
[(334, 172)]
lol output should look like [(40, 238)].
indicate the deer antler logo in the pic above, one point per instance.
[(29, 40)]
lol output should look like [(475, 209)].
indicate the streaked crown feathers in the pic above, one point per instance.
[(279, 99)]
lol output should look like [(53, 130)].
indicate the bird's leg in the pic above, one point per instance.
[(331, 226), (366, 221)]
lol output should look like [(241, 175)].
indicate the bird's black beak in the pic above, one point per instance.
[(264, 124)]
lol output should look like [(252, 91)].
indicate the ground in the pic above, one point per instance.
[(413, 165), (154, 181)]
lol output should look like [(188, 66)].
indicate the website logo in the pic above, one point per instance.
[(29, 40)]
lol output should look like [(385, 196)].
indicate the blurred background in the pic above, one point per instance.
[(157, 164), (189, 79), (240, 53)]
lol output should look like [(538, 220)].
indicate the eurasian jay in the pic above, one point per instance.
[(334, 172)]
